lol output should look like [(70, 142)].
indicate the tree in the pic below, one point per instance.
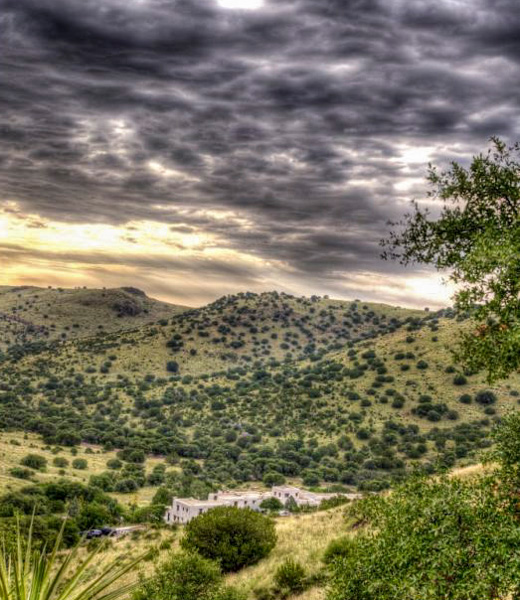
[(172, 366), (272, 478), (444, 538), (186, 576), (34, 461), (476, 238), (237, 537), (271, 504), (507, 450)]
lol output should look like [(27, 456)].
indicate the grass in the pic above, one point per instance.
[(74, 313), (15, 445), (303, 538)]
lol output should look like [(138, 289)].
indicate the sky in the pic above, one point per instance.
[(196, 148)]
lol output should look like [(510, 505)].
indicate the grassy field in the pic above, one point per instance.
[(15, 445), (301, 537)]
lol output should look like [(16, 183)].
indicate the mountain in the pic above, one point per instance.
[(253, 387)]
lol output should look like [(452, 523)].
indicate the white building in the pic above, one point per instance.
[(183, 510), (303, 497)]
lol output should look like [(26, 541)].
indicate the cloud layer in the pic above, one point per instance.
[(286, 135)]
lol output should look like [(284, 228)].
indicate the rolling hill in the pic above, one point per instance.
[(33, 314), (253, 387)]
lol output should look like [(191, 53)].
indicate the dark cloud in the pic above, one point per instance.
[(298, 117)]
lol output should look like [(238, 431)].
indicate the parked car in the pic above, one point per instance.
[(93, 533)]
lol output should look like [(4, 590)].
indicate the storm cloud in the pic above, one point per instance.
[(309, 121)]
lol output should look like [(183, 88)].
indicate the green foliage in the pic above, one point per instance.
[(80, 464), (186, 576), (485, 397), (34, 461), (21, 473), (290, 576), (476, 237), (271, 504), (234, 536), (338, 548), (28, 573), (507, 450), (431, 539), (273, 478)]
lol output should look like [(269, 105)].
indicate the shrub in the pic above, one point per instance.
[(273, 478), (126, 486), (465, 399), (338, 548), (507, 449), (79, 463), (236, 537), (460, 380), (34, 461), (442, 538), (60, 462), (485, 397), (398, 402), (172, 366), (271, 504), (21, 473), (186, 576), (290, 576)]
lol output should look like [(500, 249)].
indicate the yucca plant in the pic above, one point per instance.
[(30, 573)]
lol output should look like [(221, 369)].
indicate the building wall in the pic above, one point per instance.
[(184, 510)]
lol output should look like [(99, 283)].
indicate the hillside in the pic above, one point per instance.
[(264, 388), (236, 331), (32, 314)]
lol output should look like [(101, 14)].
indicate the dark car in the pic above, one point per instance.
[(93, 533)]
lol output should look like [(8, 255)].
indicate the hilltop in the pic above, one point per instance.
[(33, 314)]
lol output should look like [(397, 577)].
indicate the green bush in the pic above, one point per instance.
[(271, 504), (465, 399), (485, 397), (79, 463), (21, 473), (186, 576), (236, 537), (338, 548), (290, 576), (273, 478), (34, 461), (507, 450), (431, 539), (460, 380)]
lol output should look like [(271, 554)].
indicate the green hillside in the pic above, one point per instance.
[(32, 314), (262, 387)]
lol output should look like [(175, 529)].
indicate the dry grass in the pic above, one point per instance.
[(15, 445), (303, 538)]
